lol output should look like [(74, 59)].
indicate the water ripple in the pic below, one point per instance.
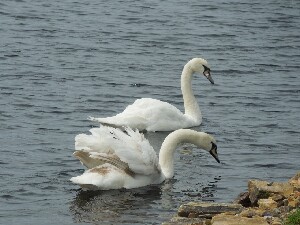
[(62, 61)]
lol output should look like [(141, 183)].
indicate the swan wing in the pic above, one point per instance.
[(150, 114), (128, 149), (93, 159)]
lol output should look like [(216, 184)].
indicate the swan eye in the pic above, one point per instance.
[(214, 146), (206, 68)]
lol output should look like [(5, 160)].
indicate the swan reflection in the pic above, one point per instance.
[(155, 203)]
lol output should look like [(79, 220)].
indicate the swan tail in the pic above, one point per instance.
[(109, 121), (92, 161), (102, 177), (119, 121)]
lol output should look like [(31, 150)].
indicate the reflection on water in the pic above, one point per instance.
[(114, 205), (134, 205)]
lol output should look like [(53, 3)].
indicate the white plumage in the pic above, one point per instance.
[(154, 115), (117, 159)]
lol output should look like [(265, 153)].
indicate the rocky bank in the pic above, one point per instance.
[(265, 203)]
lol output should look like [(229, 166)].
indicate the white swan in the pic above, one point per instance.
[(116, 159), (154, 115)]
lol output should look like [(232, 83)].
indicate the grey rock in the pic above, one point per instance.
[(207, 209)]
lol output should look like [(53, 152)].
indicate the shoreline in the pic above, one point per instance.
[(265, 203)]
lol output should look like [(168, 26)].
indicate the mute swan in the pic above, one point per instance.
[(116, 159), (154, 115)]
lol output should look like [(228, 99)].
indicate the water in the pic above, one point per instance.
[(62, 61)]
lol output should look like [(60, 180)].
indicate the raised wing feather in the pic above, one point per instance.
[(129, 147)]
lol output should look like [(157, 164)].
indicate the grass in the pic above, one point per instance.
[(293, 218)]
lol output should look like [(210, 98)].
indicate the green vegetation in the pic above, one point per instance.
[(293, 218)]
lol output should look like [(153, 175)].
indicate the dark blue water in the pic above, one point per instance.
[(62, 61)]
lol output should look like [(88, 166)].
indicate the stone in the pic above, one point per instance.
[(251, 212), (294, 200), (276, 221), (295, 181), (186, 221), (284, 210), (243, 199), (285, 202), (275, 212), (268, 203), (237, 220), (279, 199), (263, 189), (207, 209)]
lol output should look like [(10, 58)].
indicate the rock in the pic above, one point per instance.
[(279, 199), (263, 189), (284, 210), (251, 212), (267, 203), (276, 221), (237, 220), (285, 202), (186, 221), (243, 199), (295, 181), (207, 209), (294, 200), (275, 212)]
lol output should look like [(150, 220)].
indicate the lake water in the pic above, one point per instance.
[(62, 61)]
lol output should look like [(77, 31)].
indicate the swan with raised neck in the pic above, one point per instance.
[(154, 115), (191, 106), (166, 154)]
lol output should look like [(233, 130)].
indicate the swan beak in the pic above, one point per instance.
[(206, 73), (214, 152)]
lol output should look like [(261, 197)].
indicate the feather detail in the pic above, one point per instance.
[(94, 160)]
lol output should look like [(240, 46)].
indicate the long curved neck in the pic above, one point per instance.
[(168, 147), (190, 103)]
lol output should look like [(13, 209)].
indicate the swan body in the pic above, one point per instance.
[(154, 115), (117, 159)]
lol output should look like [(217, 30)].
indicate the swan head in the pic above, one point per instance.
[(201, 66), (208, 143)]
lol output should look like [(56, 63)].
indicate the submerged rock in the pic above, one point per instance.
[(207, 209)]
